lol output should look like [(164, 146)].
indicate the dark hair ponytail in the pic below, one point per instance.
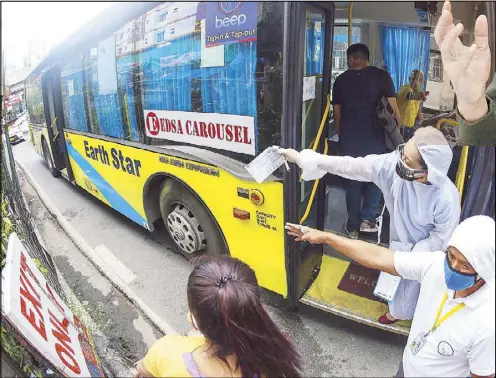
[(224, 297)]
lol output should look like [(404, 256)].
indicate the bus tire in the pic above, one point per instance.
[(48, 159), (191, 227)]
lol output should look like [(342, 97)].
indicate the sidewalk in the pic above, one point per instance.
[(122, 335)]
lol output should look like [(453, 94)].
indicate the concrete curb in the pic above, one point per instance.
[(97, 261), (106, 353)]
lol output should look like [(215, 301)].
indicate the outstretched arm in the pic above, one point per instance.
[(359, 169), (367, 254)]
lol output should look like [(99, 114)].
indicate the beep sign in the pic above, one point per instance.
[(230, 22), (36, 311)]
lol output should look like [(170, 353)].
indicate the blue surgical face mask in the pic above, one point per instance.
[(456, 280)]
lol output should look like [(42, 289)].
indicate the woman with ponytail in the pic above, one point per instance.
[(239, 338)]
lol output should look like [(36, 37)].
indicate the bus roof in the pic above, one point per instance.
[(97, 29)]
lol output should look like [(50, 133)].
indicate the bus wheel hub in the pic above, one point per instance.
[(185, 229)]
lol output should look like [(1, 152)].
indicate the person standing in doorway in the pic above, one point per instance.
[(423, 203), (410, 97), (355, 95)]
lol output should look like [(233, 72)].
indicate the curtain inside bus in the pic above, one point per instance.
[(125, 85), (404, 49), (73, 95), (314, 47), (90, 100), (105, 90), (172, 72), (232, 89)]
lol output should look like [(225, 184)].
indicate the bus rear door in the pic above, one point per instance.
[(52, 97), (317, 276), (306, 77)]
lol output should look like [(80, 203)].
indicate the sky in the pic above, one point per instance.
[(48, 22)]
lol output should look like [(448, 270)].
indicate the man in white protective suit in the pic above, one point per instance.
[(423, 203)]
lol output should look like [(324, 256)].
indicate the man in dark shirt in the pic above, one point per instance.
[(355, 96)]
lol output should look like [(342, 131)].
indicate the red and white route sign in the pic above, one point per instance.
[(222, 131), (33, 307)]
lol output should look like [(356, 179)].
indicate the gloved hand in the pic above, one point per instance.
[(290, 155), (468, 67)]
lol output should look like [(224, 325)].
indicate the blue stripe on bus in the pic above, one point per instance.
[(114, 199)]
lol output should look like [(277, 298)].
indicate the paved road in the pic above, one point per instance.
[(330, 346)]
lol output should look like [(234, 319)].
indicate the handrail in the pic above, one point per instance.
[(350, 23), (314, 147)]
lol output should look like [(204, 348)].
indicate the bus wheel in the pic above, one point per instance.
[(48, 159), (189, 224)]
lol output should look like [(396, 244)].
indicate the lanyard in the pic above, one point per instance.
[(451, 312)]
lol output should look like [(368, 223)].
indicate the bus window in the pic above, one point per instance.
[(313, 96), (339, 47), (34, 102), (89, 58), (72, 86), (176, 71), (106, 112), (339, 63)]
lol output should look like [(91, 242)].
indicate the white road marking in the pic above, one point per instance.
[(115, 264)]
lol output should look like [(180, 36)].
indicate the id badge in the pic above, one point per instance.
[(418, 343)]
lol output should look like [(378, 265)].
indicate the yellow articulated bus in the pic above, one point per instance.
[(156, 109)]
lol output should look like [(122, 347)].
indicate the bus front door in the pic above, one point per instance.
[(307, 79), (52, 98)]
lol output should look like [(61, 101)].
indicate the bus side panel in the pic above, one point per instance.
[(119, 174), (35, 133), (85, 182)]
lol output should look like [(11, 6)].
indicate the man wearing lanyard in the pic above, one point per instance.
[(452, 332)]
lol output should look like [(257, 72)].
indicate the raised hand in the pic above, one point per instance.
[(468, 67)]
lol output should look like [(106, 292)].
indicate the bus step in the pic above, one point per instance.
[(64, 174)]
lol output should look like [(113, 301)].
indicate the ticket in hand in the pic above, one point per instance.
[(265, 164)]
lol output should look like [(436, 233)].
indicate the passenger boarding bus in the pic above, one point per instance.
[(156, 108)]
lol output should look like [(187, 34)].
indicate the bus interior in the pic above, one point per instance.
[(383, 27)]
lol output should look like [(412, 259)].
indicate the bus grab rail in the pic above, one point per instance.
[(314, 147)]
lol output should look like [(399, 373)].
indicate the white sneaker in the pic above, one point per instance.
[(368, 226), (352, 234)]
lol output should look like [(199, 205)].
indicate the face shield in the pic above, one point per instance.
[(403, 170)]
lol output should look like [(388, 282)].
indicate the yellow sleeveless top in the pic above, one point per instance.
[(408, 108), (166, 357)]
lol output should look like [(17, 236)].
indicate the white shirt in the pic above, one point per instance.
[(463, 343)]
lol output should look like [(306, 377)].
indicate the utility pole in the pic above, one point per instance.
[(4, 88)]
